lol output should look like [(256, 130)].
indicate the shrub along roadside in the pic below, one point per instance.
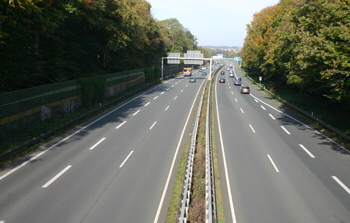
[(92, 90)]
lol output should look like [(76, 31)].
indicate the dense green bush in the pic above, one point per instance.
[(92, 90)]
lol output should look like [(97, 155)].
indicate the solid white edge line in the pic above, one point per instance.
[(96, 144), (174, 159), (136, 112), (153, 125), (341, 184), (228, 185), (273, 163), (252, 128), (306, 150), (76, 132), (57, 176), (285, 129), (120, 125), (121, 165)]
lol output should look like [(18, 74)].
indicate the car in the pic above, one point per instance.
[(238, 81), (222, 72), (222, 80), (232, 75), (204, 73), (245, 90), (192, 80), (228, 69)]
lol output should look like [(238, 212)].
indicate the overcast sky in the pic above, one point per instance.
[(213, 22)]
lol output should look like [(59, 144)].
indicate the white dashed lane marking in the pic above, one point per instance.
[(96, 144), (57, 176), (120, 125)]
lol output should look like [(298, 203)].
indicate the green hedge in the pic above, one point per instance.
[(92, 90)]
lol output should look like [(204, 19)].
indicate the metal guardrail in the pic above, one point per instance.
[(189, 167), (210, 189), (210, 202), (336, 131)]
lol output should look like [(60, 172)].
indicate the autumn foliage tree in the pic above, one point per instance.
[(44, 42), (180, 38), (305, 43)]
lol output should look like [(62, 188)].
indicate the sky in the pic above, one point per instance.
[(212, 22)]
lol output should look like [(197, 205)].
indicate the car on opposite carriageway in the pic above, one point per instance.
[(238, 81), (222, 80), (245, 90)]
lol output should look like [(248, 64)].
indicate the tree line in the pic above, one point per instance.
[(48, 41), (302, 43)]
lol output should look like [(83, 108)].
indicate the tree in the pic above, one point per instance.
[(180, 37), (43, 42)]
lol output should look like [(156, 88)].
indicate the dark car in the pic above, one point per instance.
[(245, 90), (222, 72), (222, 80), (192, 80), (204, 73), (238, 81)]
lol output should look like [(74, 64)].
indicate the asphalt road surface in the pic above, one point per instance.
[(115, 168), (275, 168)]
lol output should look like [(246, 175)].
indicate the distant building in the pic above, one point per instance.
[(219, 56)]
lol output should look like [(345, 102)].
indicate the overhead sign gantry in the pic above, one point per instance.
[(191, 57)]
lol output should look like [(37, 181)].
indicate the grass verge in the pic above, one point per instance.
[(220, 211), (197, 209), (176, 197)]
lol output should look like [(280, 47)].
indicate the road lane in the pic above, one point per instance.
[(301, 191), (120, 180)]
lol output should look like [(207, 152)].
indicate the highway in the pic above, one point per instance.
[(117, 167), (275, 168), (120, 166)]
